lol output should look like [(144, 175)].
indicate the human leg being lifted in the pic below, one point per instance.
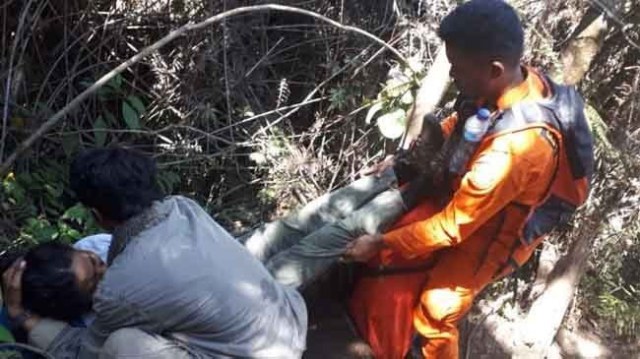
[(304, 261), (274, 237)]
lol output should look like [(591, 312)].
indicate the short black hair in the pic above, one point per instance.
[(486, 27), (49, 286), (118, 182)]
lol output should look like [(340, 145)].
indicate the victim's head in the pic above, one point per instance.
[(59, 281)]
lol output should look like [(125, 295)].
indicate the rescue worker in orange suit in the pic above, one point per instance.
[(478, 234)]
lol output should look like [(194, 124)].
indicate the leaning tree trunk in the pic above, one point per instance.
[(582, 49), (431, 92), (538, 330)]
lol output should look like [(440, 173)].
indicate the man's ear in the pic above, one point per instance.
[(497, 69)]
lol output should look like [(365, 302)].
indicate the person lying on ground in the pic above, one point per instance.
[(60, 279), (177, 285)]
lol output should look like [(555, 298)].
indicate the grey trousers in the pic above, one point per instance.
[(134, 343), (302, 246)]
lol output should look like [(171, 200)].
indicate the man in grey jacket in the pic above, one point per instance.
[(177, 284)]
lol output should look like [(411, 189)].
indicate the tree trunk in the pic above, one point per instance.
[(582, 49), (538, 330), (431, 91)]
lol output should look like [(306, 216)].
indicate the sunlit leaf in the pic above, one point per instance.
[(392, 124)]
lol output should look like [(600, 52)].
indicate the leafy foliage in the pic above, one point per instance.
[(394, 102), (34, 203)]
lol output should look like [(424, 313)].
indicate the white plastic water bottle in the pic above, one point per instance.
[(475, 128)]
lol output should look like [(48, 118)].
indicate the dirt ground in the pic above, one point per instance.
[(486, 333)]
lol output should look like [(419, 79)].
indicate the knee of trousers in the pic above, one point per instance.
[(128, 341), (120, 339), (442, 307)]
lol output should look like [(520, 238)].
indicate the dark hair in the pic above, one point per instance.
[(49, 286), (119, 183), (486, 27)]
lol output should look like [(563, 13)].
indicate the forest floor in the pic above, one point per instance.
[(332, 334), (487, 332)]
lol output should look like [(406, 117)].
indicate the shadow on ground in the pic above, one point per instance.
[(332, 334)]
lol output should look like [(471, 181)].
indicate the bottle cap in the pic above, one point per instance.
[(483, 113)]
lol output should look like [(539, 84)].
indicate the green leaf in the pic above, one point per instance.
[(99, 136), (407, 98), (167, 180), (53, 190), (39, 230), (392, 125), (137, 104), (396, 89), (77, 213), (130, 116), (338, 98), (6, 336), (15, 191)]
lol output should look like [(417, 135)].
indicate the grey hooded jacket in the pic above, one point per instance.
[(175, 272)]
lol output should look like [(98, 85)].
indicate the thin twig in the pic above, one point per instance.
[(7, 93), (50, 123), (374, 56), (227, 89), (313, 92), (158, 133), (264, 114), (266, 56), (611, 14)]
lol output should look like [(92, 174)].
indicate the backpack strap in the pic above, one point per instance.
[(566, 106), (523, 116)]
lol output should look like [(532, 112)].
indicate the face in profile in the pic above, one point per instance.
[(88, 269), (59, 281), (476, 76)]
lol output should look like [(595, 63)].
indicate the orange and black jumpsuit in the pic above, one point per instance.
[(474, 234)]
